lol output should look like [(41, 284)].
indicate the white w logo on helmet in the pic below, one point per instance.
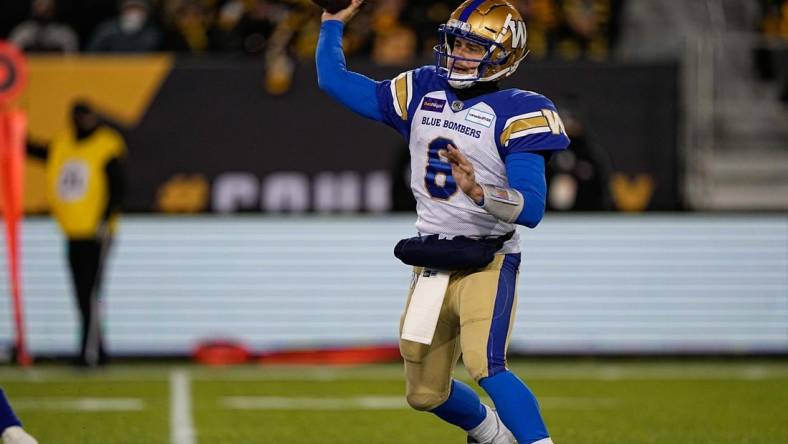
[(519, 34)]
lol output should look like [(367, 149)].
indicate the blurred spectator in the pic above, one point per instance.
[(190, 29), (131, 31), (542, 19), (228, 17), (394, 43), (392, 32), (84, 16), (41, 33), (257, 25), (86, 187), (424, 18), (584, 32), (293, 37)]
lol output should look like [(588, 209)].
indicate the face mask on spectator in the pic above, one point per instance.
[(132, 20)]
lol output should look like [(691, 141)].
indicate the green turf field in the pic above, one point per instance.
[(584, 402)]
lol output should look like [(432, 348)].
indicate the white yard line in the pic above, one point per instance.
[(181, 425), (306, 403), (80, 404), (384, 403)]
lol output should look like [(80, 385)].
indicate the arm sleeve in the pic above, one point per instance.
[(355, 91), (526, 173), (116, 186)]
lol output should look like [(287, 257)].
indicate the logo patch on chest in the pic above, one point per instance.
[(480, 117), (432, 104)]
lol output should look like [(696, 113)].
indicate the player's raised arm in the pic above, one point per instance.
[(353, 90)]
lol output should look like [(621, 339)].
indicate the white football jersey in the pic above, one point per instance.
[(423, 108)]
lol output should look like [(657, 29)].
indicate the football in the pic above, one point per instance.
[(332, 6)]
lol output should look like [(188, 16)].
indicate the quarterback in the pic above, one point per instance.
[(478, 155)]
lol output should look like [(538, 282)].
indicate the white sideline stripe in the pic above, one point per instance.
[(181, 425), (80, 404), (383, 403)]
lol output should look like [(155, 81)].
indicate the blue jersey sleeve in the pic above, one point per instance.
[(353, 90), (399, 97), (531, 124), (526, 174)]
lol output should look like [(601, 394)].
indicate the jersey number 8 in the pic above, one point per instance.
[(438, 180)]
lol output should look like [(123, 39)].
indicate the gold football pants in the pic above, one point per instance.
[(475, 321)]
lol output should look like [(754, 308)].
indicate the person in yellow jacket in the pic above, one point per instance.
[(86, 187)]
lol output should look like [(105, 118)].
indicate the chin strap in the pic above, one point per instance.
[(504, 203)]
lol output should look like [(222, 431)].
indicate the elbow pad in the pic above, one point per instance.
[(504, 203)]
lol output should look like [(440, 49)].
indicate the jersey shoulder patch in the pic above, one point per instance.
[(529, 122)]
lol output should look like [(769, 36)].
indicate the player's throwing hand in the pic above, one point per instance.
[(464, 175), (346, 14)]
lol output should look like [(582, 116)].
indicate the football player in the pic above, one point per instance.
[(11, 430), (478, 156)]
